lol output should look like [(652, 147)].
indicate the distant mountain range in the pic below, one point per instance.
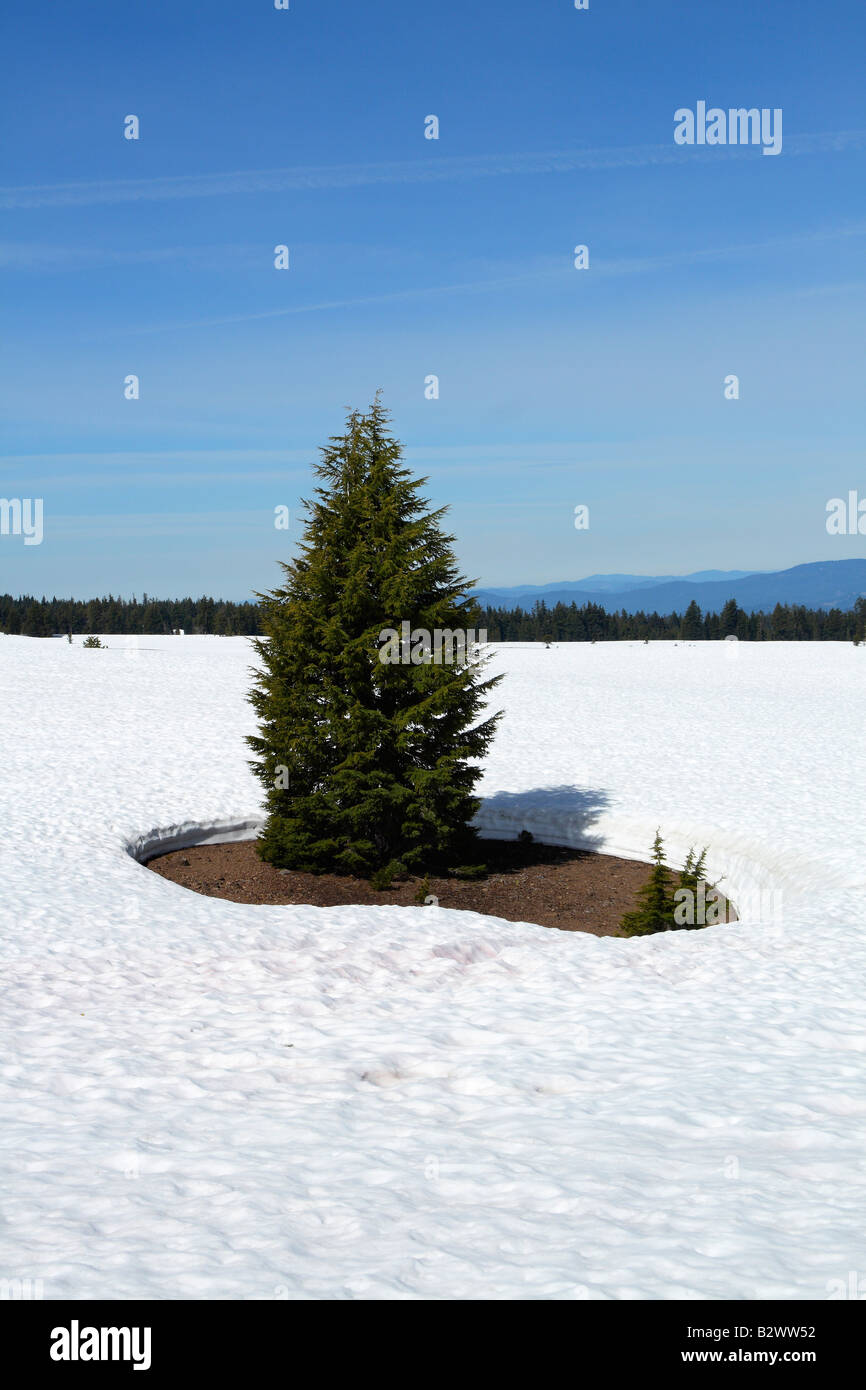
[(825, 584)]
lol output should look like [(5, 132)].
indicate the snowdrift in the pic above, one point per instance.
[(209, 1099)]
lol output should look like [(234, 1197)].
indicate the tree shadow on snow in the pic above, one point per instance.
[(553, 815)]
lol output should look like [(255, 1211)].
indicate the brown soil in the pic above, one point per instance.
[(573, 890)]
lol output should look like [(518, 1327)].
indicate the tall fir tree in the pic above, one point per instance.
[(368, 766)]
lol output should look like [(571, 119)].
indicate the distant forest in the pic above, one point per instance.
[(564, 622)]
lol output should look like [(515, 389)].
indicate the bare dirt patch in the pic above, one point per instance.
[(573, 890)]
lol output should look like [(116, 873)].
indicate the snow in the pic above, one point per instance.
[(203, 1099)]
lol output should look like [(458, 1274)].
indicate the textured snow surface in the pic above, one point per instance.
[(207, 1100)]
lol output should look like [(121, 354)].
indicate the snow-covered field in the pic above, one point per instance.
[(208, 1100)]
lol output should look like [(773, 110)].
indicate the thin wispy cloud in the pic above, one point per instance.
[(552, 269), (143, 467), (41, 256), (437, 168), (188, 523), (413, 292), (20, 255), (51, 257), (135, 467), (122, 459)]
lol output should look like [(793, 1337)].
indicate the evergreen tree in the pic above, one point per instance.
[(692, 872), (657, 905), (692, 876), (368, 765), (655, 910), (692, 625), (33, 625), (728, 618)]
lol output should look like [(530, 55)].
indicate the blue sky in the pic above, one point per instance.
[(412, 257)]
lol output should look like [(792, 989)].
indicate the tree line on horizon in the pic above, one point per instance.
[(565, 622), (32, 617)]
